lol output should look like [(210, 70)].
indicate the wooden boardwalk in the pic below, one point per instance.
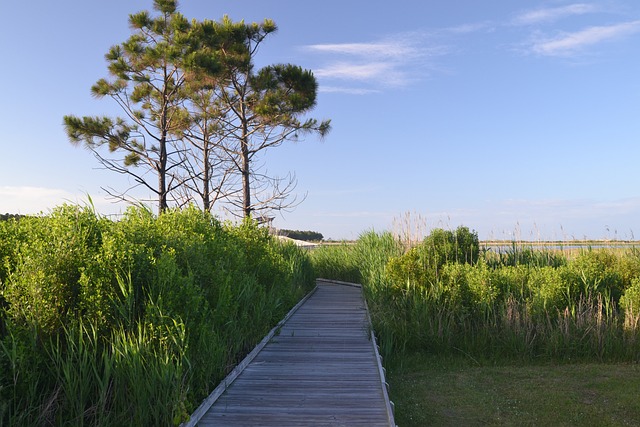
[(320, 366)]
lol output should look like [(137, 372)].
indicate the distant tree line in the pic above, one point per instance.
[(8, 216), (307, 236)]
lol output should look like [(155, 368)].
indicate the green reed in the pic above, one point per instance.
[(526, 305), (136, 320)]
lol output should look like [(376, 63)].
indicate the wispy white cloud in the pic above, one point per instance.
[(547, 15), (347, 90), (371, 67), (471, 28), (387, 49), (382, 73), (351, 71), (571, 43)]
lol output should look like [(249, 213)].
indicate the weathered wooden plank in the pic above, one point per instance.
[(320, 367)]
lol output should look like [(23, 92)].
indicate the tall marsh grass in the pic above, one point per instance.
[(132, 322), (445, 296)]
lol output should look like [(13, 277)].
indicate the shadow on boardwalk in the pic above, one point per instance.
[(319, 366)]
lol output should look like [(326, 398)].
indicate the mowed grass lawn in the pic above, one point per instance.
[(441, 391)]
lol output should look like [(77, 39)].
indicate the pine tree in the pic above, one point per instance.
[(262, 109), (147, 74)]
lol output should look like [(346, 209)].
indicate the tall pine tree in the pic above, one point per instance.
[(147, 73), (262, 109)]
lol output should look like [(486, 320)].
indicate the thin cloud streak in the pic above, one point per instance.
[(401, 60), (342, 70), (379, 50), (471, 28), (568, 44), (391, 62), (553, 14), (347, 90)]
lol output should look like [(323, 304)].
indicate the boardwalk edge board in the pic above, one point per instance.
[(339, 282), (224, 384), (381, 370)]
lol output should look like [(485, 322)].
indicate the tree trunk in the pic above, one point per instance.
[(246, 175), (206, 171), (162, 175), (162, 170), (206, 190), (246, 167)]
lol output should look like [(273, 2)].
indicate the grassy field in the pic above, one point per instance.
[(454, 391)]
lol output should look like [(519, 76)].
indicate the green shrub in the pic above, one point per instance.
[(445, 246), (412, 268), (422, 264), (512, 281), (452, 289), (525, 304), (483, 289), (548, 292), (595, 272), (44, 285), (134, 321)]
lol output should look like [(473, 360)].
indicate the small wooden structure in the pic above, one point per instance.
[(319, 366)]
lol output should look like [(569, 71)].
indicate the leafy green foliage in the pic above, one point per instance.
[(444, 297), (134, 321), (422, 264), (457, 246), (43, 285)]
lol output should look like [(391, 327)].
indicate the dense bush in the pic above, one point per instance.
[(134, 321), (423, 263), (447, 297)]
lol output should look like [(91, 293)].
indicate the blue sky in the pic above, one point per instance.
[(516, 119)]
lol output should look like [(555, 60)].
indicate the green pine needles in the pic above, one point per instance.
[(197, 115)]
